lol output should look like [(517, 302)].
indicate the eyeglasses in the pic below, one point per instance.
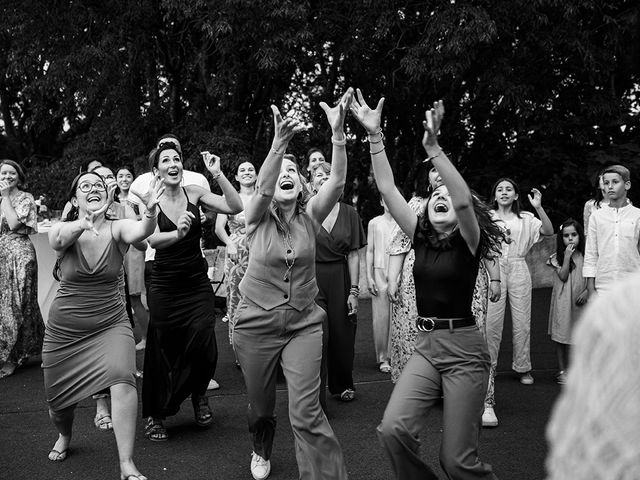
[(86, 187)]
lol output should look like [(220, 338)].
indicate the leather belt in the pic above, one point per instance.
[(428, 324)]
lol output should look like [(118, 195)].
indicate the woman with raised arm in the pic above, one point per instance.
[(451, 359), (181, 352), (89, 343), (278, 320)]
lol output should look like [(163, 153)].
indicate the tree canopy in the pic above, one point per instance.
[(543, 91)]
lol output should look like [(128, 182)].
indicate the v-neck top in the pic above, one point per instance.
[(346, 235)]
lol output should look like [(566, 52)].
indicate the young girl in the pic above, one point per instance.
[(569, 290), (379, 234), (523, 230)]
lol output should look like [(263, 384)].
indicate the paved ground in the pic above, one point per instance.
[(516, 449)]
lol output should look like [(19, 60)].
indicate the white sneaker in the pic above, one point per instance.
[(260, 468), (526, 379), (213, 385), (489, 418)]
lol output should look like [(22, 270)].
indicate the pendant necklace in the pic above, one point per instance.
[(289, 253)]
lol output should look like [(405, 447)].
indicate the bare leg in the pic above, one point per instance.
[(63, 420), (124, 408), (561, 353), (142, 319), (103, 417)]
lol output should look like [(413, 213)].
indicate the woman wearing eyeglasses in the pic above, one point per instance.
[(89, 344)]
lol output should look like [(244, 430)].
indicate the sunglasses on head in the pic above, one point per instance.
[(169, 144)]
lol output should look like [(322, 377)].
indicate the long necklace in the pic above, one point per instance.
[(289, 253)]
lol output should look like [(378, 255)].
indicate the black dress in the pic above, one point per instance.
[(181, 353)]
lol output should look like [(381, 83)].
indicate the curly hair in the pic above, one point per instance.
[(491, 235)]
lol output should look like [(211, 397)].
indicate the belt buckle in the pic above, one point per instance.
[(427, 324)]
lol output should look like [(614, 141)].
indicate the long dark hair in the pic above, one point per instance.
[(515, 206), (597, 193), (560, 246), (491, 235)]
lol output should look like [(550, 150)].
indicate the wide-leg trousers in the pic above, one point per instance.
[(381, 316), (454, 365), (262, 338)]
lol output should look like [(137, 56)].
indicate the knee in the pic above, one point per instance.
[(391, 430), (64, 415)]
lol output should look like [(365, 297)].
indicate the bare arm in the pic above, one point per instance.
[(7, 208), (563, 273), (322, 203), (536, 202), (284, 130), (395, 268), (371, 279), (370, 119), (353, 263), (493, 269), (230, 202), (459, 192)]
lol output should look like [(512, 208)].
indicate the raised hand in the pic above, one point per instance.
[(184, 224), (337, 113), (571, 248), (152, 196), (4, 188), (431, 124), (536, 199), (211, 163), (369, 119), (87, 222), (284, 128)]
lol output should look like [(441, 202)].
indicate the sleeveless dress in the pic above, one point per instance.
[(21, 325), (88, 342), (181, 353)]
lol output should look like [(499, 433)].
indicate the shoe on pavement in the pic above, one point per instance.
[(260, 468), (489, 419), (526, 379), (562, 377), (213, 385), (385, 367)]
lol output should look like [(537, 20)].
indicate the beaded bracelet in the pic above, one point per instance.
[(354, 290)]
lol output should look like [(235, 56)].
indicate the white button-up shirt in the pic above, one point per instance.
[(612, 249)]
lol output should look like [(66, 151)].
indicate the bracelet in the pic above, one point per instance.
[(217, 176), (276, 152), (379, 151), (495, 280), (379, 132), (339, 143), (432, 157)]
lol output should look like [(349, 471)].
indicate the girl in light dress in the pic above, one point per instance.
[(569, 290)]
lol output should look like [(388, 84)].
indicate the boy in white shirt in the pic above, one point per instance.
[(612, 248)]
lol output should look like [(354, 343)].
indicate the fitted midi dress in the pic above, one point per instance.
[(88, 341)]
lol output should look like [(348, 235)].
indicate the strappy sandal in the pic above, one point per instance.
[(348, 395), (201, 410), (154, 430), (103, 422)]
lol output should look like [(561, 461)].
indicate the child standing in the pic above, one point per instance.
[(569, 290), (522, 230), (611, 252), (378, 238)]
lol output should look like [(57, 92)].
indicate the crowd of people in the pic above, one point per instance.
[(439, 268)]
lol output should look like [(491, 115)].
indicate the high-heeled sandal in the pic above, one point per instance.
[(201, 410)]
